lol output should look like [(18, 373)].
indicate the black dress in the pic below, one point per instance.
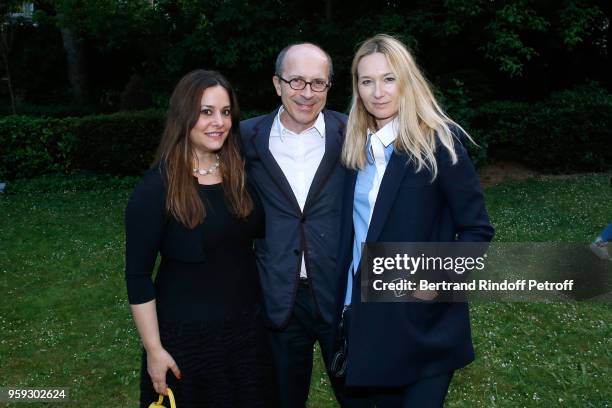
[(207, 295)]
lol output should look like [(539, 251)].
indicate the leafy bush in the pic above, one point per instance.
[(567, 132), (54, 111), (34, 146), (571, 131), (499, 125), (457, 103), (119, 144)]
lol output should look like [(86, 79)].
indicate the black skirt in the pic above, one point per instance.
[(223, 365)]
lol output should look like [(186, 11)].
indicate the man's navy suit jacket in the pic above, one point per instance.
[(291, 232), (395, 344)]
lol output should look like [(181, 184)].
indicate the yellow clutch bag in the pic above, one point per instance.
[(159, 402)]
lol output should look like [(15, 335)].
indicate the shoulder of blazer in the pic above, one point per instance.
[(249, 127), (252, 122), (461, 141), (339, 117)]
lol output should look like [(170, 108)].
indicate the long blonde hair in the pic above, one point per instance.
[(420, 117)]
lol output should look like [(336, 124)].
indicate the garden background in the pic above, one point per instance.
[(83, 92)]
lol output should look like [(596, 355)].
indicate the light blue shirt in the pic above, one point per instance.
[(379, 148)]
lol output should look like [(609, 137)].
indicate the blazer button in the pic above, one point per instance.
[(296, 252), (303, 220)]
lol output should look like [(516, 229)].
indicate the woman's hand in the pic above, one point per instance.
[(158, 363), (158, 359)]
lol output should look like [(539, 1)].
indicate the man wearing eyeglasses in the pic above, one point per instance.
[(292, 159)]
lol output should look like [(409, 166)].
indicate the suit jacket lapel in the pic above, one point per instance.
[(394, 173), (333, 145), (261, 141)]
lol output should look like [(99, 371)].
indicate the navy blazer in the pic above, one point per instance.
[(291, 231), (395, 344)]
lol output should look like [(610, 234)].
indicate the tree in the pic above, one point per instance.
[(480, 49), (100, 24), (7, 13)]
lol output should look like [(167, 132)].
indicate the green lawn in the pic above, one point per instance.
[(65, 321)]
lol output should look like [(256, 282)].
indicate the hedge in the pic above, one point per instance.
[(570, 131), (118, 144), (35, 146)]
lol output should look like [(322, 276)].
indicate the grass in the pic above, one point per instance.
[(65, 320)]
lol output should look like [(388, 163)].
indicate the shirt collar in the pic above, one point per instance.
[(387, 133), (319, 124)]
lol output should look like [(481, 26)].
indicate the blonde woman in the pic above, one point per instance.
[(411, 180)]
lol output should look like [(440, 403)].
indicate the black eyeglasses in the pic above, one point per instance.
[(297, 84)]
